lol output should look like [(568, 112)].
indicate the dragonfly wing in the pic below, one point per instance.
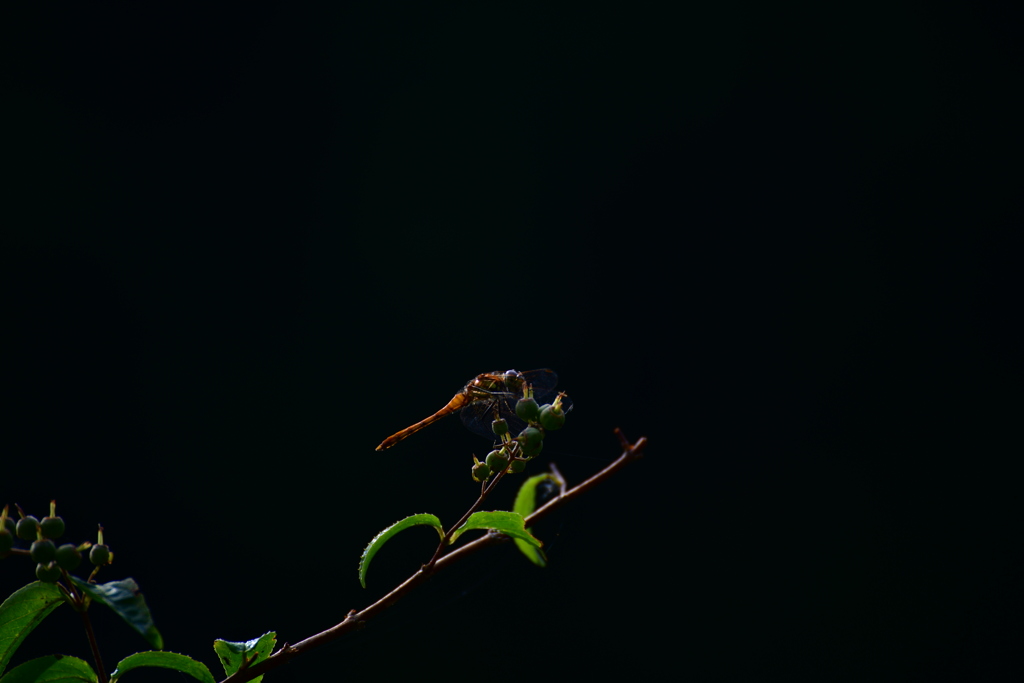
[(479, 415), (544, 382)]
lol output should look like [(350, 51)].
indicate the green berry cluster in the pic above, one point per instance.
[(515, 452), (51, 560)]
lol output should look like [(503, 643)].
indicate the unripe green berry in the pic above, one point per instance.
[(531, 436), (481, 471), (496, 461), (11, 526), (517, 466), (43, 551), (499, 427), (532, 440), (52, 527), (527, 409), (6, 541), (27, 527), (68, 557), (552, 417), (50, 573), (99, 555)]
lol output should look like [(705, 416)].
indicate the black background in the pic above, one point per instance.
[(244, 244)]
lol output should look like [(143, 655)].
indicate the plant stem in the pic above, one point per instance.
[(101, 673), (473, 508)]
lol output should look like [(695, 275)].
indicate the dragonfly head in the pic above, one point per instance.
[(514, 379)]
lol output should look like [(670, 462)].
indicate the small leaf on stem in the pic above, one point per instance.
[(508, 523), (384, 536), (234, 656)]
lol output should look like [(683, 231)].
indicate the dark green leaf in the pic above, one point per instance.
[(22, 612), (526, 503), (233, 656), (383, 537), (125, 599), (164, 660), (51, 669), (508, 523)]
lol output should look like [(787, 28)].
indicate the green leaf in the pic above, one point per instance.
[(526, 498), (508, 523), (526, 503), (233, 656), (383, 537), (125, 599), (22, 612), (164, 660), (51, 669)]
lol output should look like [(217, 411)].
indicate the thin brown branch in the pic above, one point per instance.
[(356, 619), (101, 673)]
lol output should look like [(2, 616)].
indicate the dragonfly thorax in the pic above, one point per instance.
[(496, 382)]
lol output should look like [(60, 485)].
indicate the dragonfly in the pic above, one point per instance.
[(487, 397)]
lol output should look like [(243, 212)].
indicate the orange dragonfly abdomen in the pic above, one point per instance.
[(458, 401)]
